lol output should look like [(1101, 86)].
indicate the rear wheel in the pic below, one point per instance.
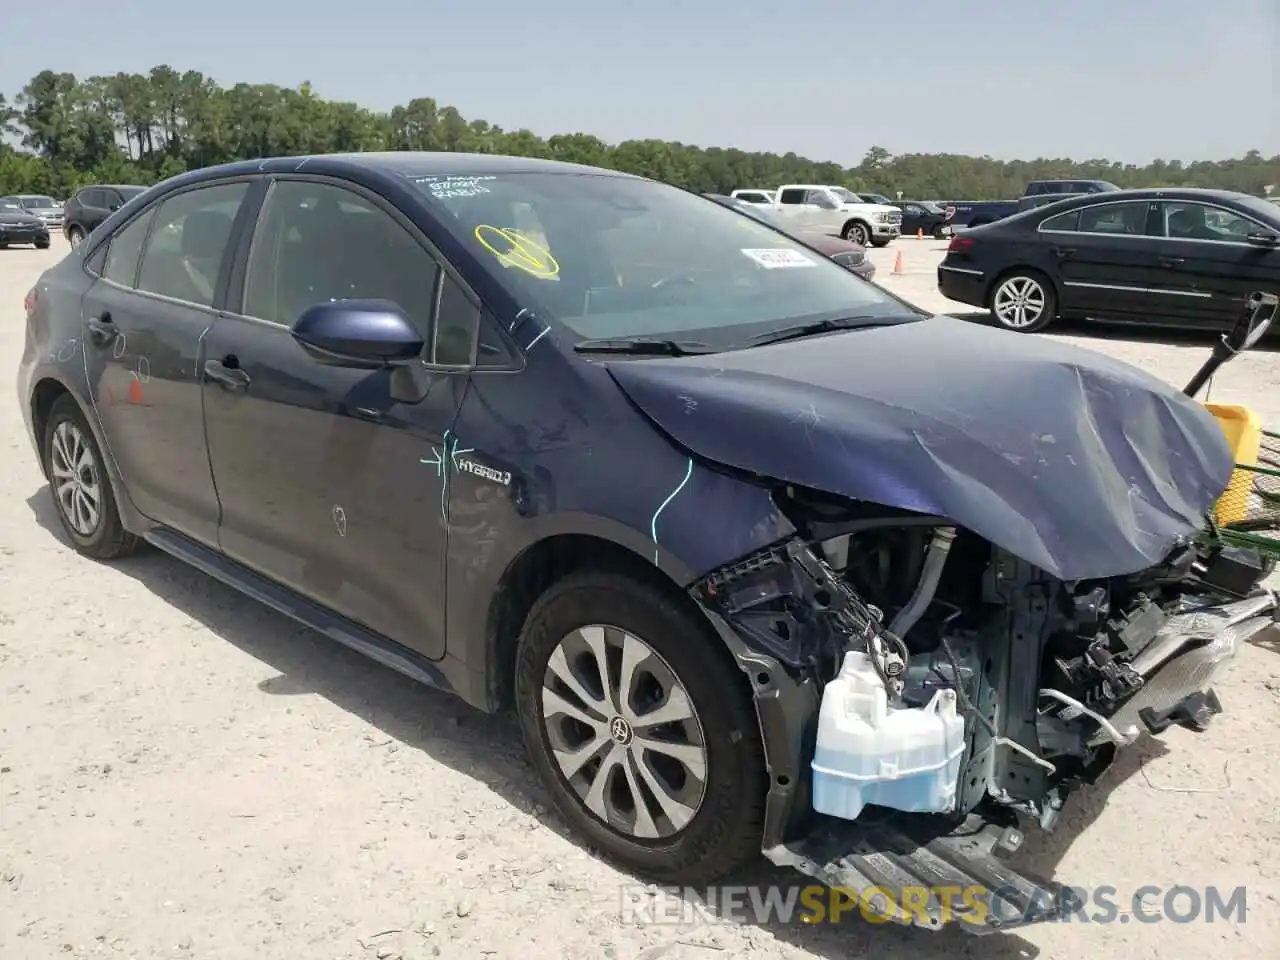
[(75, 235), (1023, 301), (42, 244), (78, 482), (641, 728)]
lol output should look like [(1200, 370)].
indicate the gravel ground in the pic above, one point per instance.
[(185, 773)]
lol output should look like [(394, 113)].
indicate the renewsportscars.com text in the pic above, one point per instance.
[(977, 905)]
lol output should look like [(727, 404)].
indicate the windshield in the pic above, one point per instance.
[(877, 198), (845, 196), (39, 203), (930, 206), (617, 257)]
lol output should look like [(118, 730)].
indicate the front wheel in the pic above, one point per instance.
[(81, 489), (1024, 301), (42, 245), (75, 236), (641, 729), (858, 233)]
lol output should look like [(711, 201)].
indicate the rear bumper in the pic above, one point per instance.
[(962, 284)]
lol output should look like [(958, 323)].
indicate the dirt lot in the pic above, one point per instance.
[(184, 773)]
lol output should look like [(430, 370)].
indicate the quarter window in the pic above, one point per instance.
[(187, 249), (1068, 222), (1124, 219), (1197, 221), (123, 250)]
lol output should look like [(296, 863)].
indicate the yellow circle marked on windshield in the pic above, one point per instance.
[(515, 250)]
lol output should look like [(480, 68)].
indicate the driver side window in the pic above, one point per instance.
[(316, 242)]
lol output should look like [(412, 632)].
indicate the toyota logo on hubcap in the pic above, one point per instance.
[(620, 730)]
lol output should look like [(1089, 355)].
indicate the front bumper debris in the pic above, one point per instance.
[(923, 871), (1179, 667)]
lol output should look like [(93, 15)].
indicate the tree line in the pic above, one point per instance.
[(142, 128)]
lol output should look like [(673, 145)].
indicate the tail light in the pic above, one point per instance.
[(29, 301), (960, 245)]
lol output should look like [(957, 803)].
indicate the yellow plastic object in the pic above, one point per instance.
[(1244, 435)]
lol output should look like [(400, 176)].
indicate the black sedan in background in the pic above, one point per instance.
[(1182, 258), (18, 226), (848, 254), (924, 216)]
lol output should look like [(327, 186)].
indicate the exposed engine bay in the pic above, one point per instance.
[(1050, 677)]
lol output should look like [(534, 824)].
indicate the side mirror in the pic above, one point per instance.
[(1254, 321), (365, 334), (1263, 238)]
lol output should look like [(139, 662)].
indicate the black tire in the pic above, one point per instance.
[(75, 235), (1023, 279), (855, 231), (43, 246), (107, 539), (725, 832), (880, 243)]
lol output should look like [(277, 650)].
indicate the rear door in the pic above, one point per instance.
[(96, 205), (1206, 268), (144, 320), (792, 207), (1106, 258)]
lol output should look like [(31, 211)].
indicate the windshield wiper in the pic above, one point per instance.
[(644, 345), (819, 326)]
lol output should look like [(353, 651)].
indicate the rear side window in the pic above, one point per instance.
[(124, 249), (188, 246), (90, 197), (1125, 219), (791, 196)]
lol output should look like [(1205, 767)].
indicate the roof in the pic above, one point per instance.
[(1167, 193), (406, 164)]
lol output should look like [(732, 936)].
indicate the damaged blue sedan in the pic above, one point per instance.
[(764, 559)]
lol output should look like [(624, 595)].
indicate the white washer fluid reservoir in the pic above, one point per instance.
[(868, 752)]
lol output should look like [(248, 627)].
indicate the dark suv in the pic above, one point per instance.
[(91, 205)]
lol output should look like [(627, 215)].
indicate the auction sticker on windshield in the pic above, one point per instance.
[(778, 259)]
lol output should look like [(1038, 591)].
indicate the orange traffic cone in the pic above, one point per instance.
[(919, 233), (897, 264)]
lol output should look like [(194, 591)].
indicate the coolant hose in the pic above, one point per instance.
[(934, 560)]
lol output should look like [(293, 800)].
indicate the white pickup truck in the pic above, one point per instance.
[(836, 211)]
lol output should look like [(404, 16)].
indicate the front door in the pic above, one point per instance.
[(327, 483), (143, 325), (1105, 259), (1207, 269)]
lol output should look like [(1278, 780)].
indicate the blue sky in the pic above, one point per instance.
[(1125, 79)]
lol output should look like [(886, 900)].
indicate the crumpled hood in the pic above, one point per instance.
[(1080, 464)]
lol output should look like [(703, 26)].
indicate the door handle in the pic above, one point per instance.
[(1172, 261), (1063, 252), (102, 330), (228, 375)]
